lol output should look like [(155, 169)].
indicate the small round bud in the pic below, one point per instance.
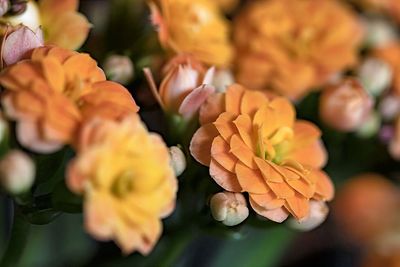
[(371, 126), (17, 172), (119, 68), (389, 107), (345, 106), (222, 79), (318, 213), (375, 75), (4, 6), (229, 208), (379, 32), (178, 160)]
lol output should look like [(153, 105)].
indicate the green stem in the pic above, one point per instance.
[(17, 241)]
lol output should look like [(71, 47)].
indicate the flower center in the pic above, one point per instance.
[(123, 184), (274, 146)]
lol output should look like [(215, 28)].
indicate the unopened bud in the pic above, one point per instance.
[(375, 75), (318, 213), (379, 32), (222, 79), (17, 172), (229, 208), (178, 160), (389, 107), (119, 68), (4, 6), (371, 126), (345, 106)]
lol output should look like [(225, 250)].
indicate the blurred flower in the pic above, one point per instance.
[(193, 27), (178, 160), (222, 79), (4, 6), (379, 32), (391, 55), (318, 213), (375, 75), (17, 172), (119, 68), (186, 85), (26, 13), (345, 106), (62, 24), (18, 44), (366, 206), (51, 93), (371, 126), (389, 107), (294, 46), (124, 174), (229, 208), (254, 144)]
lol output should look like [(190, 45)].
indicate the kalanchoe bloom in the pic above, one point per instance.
[(193, 27), (318, 213), (345, 106), (294, 46), (19, 43), (255, 144), (229, 208), (119, 68), (186, 85), (128, 185), (367, 206), (53, 92), (62, 24), (390, 53), (17, 172), (178, 160)]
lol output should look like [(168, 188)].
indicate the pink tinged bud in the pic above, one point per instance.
[(178, 160), (229, 208), (345, 106), (318, 213), (119, 68), (17, 172), (375, 75), (222, 79), (4, 6), (389, 107), (19, 43)]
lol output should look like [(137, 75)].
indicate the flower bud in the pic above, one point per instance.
[(375, 75), (389, 107), (345, 106), (178, 160), (371, 126), (229, 208), (318, 213), (119, 68), (17, 172), (379, 32), (222, 79), (4, 6), (25, 12)]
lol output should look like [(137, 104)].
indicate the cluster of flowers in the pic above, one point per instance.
[(256, 149)]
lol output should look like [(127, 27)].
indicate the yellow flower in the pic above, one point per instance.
[(127, 182), (193, 27), (62, 24), (294, 46)]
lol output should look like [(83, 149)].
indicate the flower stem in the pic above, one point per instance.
[(17, 241)]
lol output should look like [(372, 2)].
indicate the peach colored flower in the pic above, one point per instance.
[(186, 85), (62, 24), (294, 46), (50, 94), (253, 144), (390, 53), (128, 185), (366, 206), (345, 106), (193, 27)]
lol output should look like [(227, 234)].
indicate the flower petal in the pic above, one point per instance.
[(250, 180), (277, 215), (220, 153), (200, 145), (224, 178)]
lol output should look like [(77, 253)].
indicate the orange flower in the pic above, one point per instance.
[(127, 182), (294, 46), (185, 87), (50, 94), (62, 24), (193, 27), (254, 144), (390, 53), (367, 206)]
